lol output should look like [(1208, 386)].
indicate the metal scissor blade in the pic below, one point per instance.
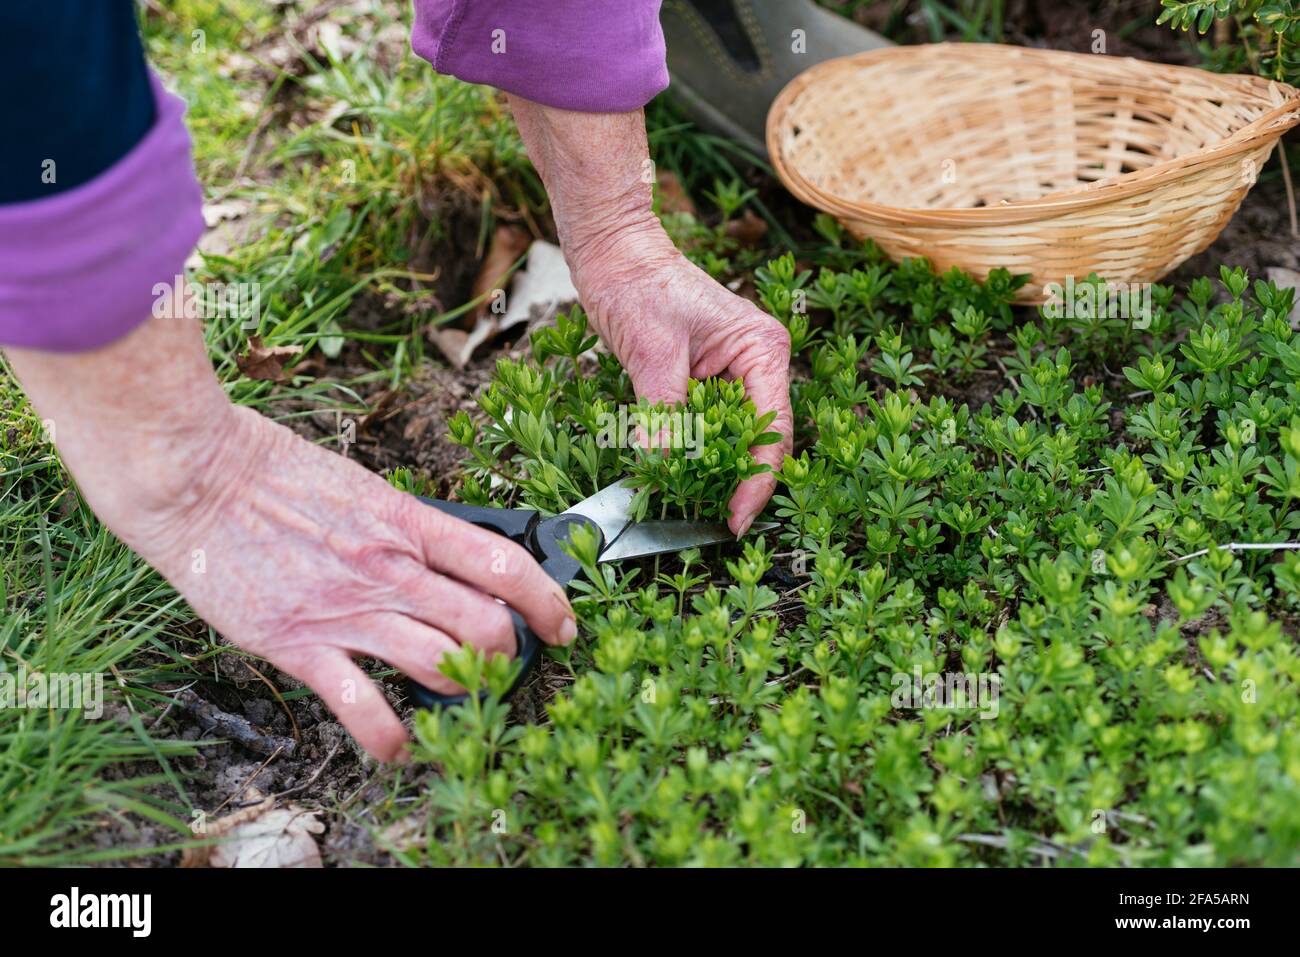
[(657, 537), (610, 508)]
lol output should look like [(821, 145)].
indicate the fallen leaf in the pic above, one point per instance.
[(748, 230), (378, 409), (201, 855), (214, 213), (508, 244), (281, 837), (310, 366), (1287, 279), (227, 226), (542, 288), (260, 836), (673, 198), (265, 363), (535, 293), (458, 345)]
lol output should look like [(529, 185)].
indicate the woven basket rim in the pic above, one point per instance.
[(1269, 126)]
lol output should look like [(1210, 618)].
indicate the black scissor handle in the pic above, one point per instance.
[(543, 539), (528, 646), (513, 523)]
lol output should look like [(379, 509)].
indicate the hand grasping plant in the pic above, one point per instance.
[(664, 318)]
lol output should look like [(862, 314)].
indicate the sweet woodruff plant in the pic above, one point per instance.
[(1037, 507)]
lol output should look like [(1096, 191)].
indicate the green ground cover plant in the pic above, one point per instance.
[(976, 490), (1266, 33), (1069, 540), (568, 434)]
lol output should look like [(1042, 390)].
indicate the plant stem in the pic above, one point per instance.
[(1290, 189)]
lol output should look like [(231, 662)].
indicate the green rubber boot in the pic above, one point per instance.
[(728, 59)]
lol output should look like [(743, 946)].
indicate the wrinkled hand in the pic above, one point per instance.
[(663, 317), (291, 551), (667, 320), (305, 558)]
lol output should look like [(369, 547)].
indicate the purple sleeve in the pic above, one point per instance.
[(79, 269), (596, 56)]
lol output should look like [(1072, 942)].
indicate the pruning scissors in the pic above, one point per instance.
[(608, 514)]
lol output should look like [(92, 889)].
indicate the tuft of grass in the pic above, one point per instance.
[(74, 601)]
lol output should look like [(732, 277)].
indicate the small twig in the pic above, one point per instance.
[(171, 703), (1244, 547), (1290, 190), (297, 732), (273, 798), (770, 684), (992, 840), (244, 787), (233, 728), (347, 802), (315, 775)]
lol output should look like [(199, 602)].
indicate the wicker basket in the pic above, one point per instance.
[(1052, 164)]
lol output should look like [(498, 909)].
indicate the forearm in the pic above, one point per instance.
[(98, 198), (142, 423), (598, 174)]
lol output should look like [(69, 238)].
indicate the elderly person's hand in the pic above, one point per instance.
[(663, 317), (289, 550)]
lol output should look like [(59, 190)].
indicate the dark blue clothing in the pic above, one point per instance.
[(76, 91)]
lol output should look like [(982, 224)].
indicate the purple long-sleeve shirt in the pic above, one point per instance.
[(86, 266), (598, 56)]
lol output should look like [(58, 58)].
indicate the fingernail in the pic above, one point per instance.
[(744, 527), (568, 631)]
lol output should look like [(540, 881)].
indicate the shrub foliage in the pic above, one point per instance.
[(1040, 505)]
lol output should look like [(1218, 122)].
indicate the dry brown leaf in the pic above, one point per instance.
[(214, 213), (265, 363), (379, 409), (260, 836), (458, 345), (508, 244), (282, 837), (227, 226), (748, 230), (535, 293), (673, 198), (201, 855)]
